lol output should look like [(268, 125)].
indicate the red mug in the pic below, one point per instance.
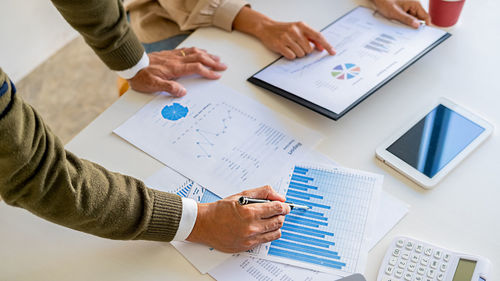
[(445, 13)]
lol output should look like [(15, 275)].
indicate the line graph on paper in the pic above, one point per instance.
[(206, 136), (217, 137), (211, 126)]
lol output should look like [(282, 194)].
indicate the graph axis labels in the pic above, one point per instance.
[(346, 71)]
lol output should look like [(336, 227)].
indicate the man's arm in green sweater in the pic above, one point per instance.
[(38, 174), (103, 24)]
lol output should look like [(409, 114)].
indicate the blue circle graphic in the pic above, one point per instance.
[(174, 112)]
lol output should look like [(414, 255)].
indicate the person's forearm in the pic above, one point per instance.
[(37, 174), (104, 26), (290, 39), (250, 21)]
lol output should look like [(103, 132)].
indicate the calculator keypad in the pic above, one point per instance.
[(411, 260)]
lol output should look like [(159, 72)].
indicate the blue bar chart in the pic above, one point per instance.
[(201, 194), (332, 232), (184, 191), (209, 197)]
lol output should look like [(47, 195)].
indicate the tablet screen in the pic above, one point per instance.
[(435, 140)]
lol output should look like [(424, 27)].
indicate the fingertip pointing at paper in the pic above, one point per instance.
[(330, 49)]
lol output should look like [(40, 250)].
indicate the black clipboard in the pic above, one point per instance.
[(324, 111)]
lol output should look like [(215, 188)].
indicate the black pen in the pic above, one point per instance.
[(246, 200)]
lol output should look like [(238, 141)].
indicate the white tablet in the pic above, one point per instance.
[(435, 142)]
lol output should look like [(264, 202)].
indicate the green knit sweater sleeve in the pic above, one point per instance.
[(103, 24), (39, 175)]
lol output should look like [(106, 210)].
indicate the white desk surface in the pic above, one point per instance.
[(460, 213)]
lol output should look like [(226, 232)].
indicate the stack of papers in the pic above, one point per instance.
[(223, 266), (216, 142)]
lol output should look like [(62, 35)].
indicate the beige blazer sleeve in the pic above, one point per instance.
[(155, 20)]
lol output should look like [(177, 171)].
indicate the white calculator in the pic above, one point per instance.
[(413, 260)]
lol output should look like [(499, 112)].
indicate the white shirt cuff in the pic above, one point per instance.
[(188, 218), (131, 72)]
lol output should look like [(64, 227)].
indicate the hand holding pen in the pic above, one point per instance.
[(231, 227), (246, 200)]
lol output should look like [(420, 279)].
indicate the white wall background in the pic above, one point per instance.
[(30, 32)]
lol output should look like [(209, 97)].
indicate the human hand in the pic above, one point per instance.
[(408, 12), (230, 227), (290, 39), (165, 66)]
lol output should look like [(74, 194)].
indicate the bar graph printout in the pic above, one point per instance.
[(333, 234), (217, 137), (204, 258)]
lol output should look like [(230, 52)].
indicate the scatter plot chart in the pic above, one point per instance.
[(206, 137)]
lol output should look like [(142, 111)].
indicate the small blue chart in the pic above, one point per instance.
[(174, 112)]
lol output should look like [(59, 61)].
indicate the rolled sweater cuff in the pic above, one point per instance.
[(165, 218), (127, 55), (227, 12)]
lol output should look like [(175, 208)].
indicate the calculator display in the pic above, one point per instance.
[(435, 140), (465, 270)]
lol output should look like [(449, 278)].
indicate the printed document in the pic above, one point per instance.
[(369, 49), (333, 235), (204, 258), (251, 269), (200, 256), (217, 137), (391, 211)]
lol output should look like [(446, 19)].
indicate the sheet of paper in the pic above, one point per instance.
[(218, 137), (391, 211), (369, 49), (201, 257), (244, 268), (168, 180), (333, 234), (204, 258)]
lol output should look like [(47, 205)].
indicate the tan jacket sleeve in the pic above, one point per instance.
[(39, 175), (154, 20), (104, 26)]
